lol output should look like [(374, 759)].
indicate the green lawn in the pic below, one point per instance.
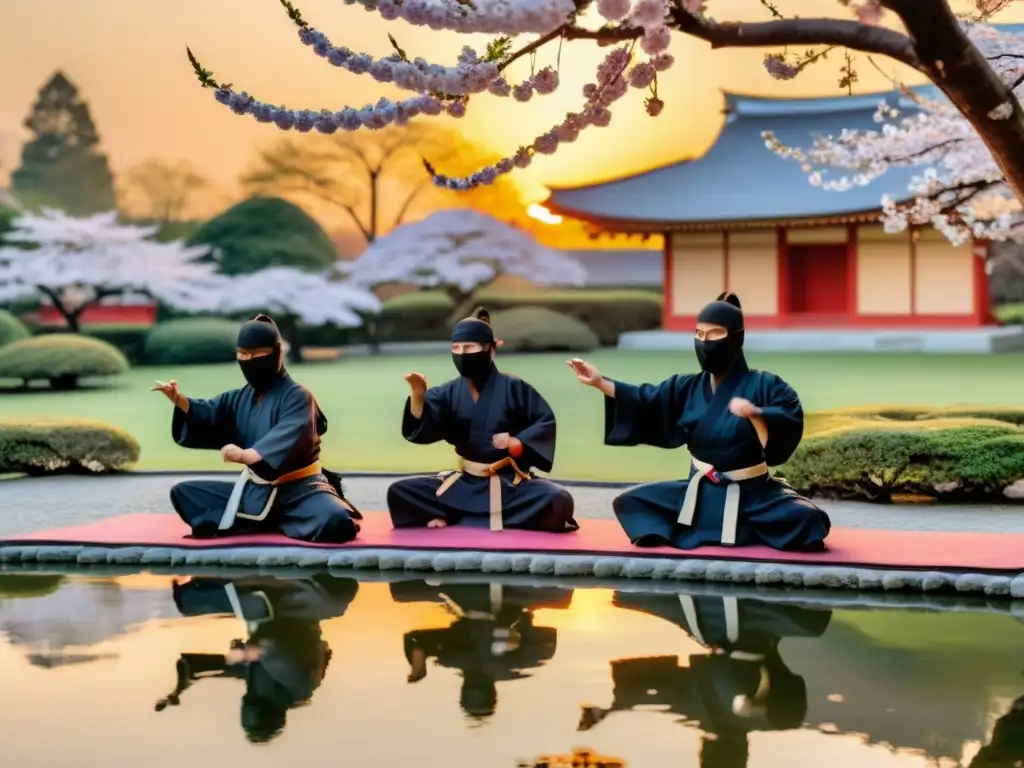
[(363, 398)]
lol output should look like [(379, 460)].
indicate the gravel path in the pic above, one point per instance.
[(28, 505)]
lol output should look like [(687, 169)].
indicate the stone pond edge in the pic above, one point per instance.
[(535, 564)]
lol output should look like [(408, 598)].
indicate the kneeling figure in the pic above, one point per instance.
[(283, 487), (500, 427), (736, 423)]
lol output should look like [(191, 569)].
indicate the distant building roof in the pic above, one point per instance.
[(608, 268), (739, 182)]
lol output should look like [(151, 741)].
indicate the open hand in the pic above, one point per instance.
[(231, 454), (586, 373), (743, 408), (169, 389), (417, 383)]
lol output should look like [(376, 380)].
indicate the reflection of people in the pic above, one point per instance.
[(1006, 747), (493, 638), (284, 658), (736, 422), (742, 685), (501, 429)]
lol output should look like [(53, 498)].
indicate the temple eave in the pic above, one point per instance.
[(640, 226)]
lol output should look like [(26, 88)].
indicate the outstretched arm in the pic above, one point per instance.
[(426, 415), (646, 414), (205, 424)]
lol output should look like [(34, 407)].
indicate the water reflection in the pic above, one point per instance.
[(1006, 748), (470, 671), (283, 657), (492, 638), (738, 685)]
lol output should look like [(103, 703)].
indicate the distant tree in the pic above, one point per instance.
[(264, 232), (162, 190), (459, 250), (292, 297), (77, 262), (61, 166), (355, 172)]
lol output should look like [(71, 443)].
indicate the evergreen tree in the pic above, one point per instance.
[(61, 166)]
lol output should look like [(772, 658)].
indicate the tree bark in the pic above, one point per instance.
[(70, 318)]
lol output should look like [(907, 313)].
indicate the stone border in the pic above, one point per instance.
[(533, 563)]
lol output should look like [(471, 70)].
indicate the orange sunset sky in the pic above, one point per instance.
[(128, 59)]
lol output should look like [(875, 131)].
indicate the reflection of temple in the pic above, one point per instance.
[(284, 657), (59, 621), (492, 638), (580, 758), (741, 685)]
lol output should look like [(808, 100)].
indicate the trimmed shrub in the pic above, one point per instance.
[(11, 328), (874, 453), (192, 341), (266, 232), (538, 329), (1010, 314), (416, 316), (65, 447), (130, 339), (608, 313), (60, 358)]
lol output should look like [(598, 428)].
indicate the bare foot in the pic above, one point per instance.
[(437, 523)]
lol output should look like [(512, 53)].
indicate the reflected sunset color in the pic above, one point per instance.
[(465, 672)]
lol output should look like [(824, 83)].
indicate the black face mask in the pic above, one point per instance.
[(716, 356), (475, 366), (262, 372)]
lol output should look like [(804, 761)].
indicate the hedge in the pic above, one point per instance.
[(416, 316), (60, 358), (65, 447), (538, 329), (192, 341), (876, 453), (1010, 314), (608, 313), (11, 328)]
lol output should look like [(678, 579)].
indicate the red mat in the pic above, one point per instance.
[(977, 552)]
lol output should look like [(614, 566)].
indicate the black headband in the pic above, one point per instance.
[(724, 311), (472, 330), (261, 331)]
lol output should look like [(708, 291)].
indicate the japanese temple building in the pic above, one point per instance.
[(801, 258)]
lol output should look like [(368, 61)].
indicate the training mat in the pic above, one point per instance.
[(977, 553)]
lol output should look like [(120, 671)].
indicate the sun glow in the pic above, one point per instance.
[(542, 214)]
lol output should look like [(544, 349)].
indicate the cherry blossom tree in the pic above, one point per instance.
[(292, 296), (961, 189), (459, 250), (77, 262), (933, 43)]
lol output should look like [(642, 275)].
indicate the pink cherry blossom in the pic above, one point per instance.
[(939, 140), (613, 10), (656, 40)]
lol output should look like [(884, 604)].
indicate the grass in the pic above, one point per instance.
[(363, 398), (939, 632)]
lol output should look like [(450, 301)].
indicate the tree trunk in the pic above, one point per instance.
[(71, 317), (64, 383), (963, 74)]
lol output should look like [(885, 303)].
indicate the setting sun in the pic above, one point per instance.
[(542, 214)]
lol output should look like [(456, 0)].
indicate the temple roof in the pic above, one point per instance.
[(739, 180)]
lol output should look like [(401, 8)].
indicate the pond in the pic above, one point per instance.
[(463, 672)]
